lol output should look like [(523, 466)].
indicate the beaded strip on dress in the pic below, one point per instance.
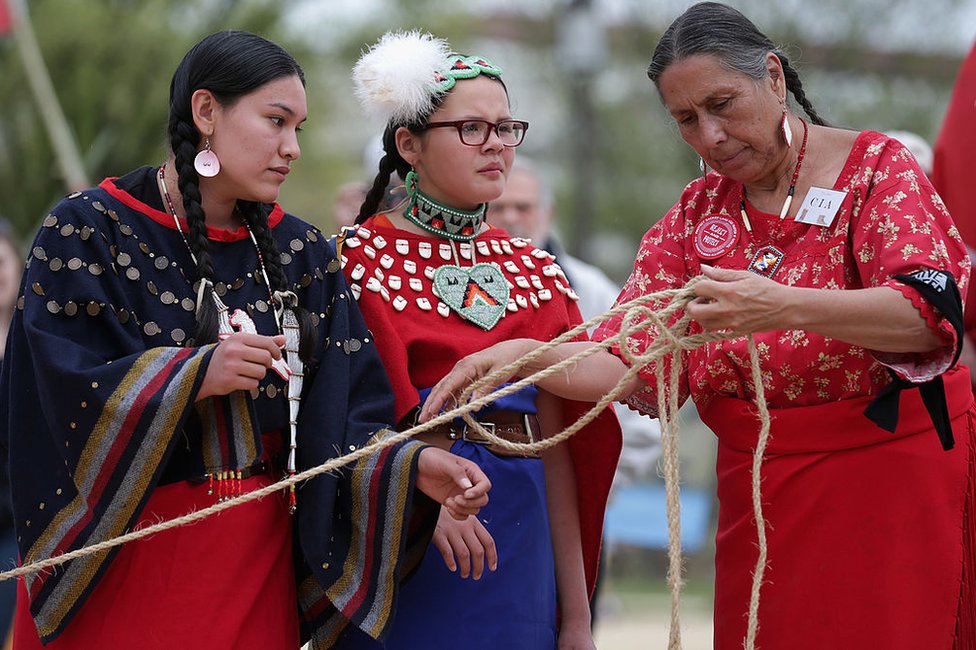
[(291, 370)]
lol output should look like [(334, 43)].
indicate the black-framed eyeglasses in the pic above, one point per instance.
[(475, 133)]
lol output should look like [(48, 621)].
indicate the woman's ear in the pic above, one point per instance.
[(204, 106), (777, 78), (409, 144)]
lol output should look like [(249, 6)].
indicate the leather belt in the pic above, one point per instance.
[(512, 426)]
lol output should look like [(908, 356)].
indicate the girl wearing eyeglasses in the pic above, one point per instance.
[(435, 283)]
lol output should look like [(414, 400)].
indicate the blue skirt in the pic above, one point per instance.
[(513, 607)]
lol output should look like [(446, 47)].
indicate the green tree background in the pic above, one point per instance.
[(880, 64)]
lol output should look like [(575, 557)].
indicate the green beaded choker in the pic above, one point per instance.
[(437, 218)]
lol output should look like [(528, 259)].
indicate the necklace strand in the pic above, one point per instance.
[(161, 180), (789, 195)]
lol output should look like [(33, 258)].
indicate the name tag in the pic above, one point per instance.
[(820, 206)]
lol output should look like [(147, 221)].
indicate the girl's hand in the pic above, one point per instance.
[(454, 482), (465, 545), (240, 362)]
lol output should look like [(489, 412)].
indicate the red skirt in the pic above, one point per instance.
[(224, 582), (869, 534)]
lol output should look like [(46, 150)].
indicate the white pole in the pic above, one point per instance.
[(65, 149)]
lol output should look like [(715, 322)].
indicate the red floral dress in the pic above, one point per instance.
[(865, 528)]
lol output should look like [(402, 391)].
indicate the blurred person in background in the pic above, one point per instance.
[(527, 209), (11, 266), (852, 296), (349, 196)]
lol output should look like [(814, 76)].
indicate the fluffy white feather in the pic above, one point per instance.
[(395, 79)]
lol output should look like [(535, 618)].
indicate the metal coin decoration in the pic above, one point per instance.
[(478, 294)]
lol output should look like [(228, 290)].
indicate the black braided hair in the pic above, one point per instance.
[(230, 64), (721, 31), (255, 215), (392, 161)]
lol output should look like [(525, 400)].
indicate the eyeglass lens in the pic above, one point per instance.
[(476, 132)]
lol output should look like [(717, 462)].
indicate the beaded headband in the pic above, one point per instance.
[(399, 77)]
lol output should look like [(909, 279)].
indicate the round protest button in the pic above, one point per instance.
[(715, 235)]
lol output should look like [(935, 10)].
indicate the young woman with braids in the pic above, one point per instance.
[(434, 283), (852, 294), (129, 397)]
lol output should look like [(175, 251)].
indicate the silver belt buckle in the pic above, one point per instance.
[(489, 426)]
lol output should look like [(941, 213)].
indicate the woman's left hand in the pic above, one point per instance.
[(456, 483), (740, 301)]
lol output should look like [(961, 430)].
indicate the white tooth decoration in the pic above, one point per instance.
[(399, 303), (507, 247), (482, 247), (356, 291), (545, 295), (425, 249), (445, 251), (538, 253), (549, 271), (496, 247), (536, 282), (379, 274), (560, 286), (343, 260), (510, 285), (572, 294), (534, 300), (511, 306), (386, 261), (385, 293), (521, 282), (379, 242), (358, 272), (402, 246), (410, 266), (465, 250), (529, 264), (365, 233), (521, 301), (416, 284), (511, 266), (395, 282), (443, 310), (373, 285), (424, 304), (429, 272), (369, 252), (519, 242), (353, 242)]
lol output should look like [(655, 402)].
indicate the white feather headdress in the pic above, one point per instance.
[(397, 78)]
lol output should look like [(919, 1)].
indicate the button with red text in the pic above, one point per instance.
[(715, 235)]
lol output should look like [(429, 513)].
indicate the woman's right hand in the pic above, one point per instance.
[(239, 362), (465, 545), (471, 368)]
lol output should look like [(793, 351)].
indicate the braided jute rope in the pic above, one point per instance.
[(669, 342)]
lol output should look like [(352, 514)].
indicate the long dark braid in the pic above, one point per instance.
[(183, 139), (391, 162), (795, 86), (255, 216), (721, 31), (229, 64)]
